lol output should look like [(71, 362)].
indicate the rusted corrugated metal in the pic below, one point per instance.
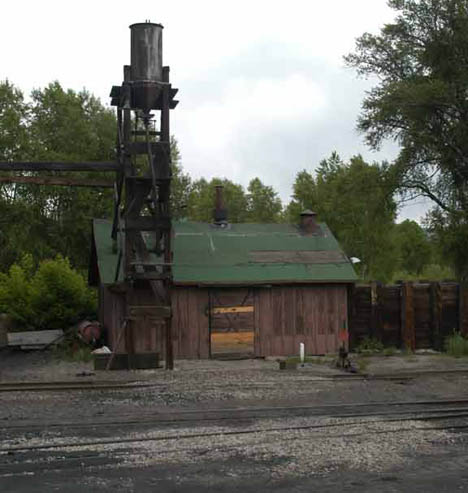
[(286, 316)]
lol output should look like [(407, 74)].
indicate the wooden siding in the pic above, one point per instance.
[(190, 331), (190, 328), (286, 316)]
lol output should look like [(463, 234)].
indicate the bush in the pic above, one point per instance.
[(55, 297), (456, 345), (59, 295), (369, 345), (15, 294)]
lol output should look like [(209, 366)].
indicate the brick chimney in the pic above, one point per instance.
[(220, 215), (308, 224)]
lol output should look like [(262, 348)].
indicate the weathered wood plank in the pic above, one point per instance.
[(150, 311), (58, 181), (59, 166), (33, 337), (232, 309)]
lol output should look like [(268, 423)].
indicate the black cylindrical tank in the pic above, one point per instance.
[(146, 51)]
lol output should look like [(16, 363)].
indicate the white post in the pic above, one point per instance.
[(301, 351)]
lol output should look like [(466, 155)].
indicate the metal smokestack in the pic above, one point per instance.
[(308, 223), (220, 215)]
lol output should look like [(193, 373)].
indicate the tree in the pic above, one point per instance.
[(201, 201), (55, 125), (263, 203), (355, 200), (14, 114), (449, 234), (421, 60), (413, 246), (181, 184)]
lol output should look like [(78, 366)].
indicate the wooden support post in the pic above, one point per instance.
[(463, 329), (351, 315), (166, 137), (129, 248), (376, 315), (436, 305), (407, 316)]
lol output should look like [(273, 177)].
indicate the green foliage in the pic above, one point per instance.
[(369, 345), (421, 61), (14, 140), (355, 200), (413, 246), (431, 272), (201, 201), (15, 297), (72, 349), (456, 345), (59, 295), (450, 237), (55, 125), (260, 204), (389, 351), (52, 297), (181, 184), (263, 203)]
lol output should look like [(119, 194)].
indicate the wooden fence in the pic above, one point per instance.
[(416, 315)]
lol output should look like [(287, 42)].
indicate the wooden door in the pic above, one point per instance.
[(231, 321)]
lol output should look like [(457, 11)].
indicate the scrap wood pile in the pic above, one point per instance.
[(85, 333)]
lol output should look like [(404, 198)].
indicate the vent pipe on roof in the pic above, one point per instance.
[(308, 223), (220, 215)]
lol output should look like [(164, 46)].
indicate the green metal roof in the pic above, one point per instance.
[(241, 254)]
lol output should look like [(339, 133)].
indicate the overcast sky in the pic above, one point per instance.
[(262, 85)]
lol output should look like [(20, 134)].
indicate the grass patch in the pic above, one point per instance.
[(73, 350), (456, 345), (369, 345), (390, 351)]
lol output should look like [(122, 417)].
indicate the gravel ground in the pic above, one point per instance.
[(261, 453)]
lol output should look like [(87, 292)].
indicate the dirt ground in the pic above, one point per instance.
[(236, 426)]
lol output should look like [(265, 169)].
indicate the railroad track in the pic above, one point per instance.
[(265, 430), (237, 414), (66, 448), (33, 386), (72, 385)]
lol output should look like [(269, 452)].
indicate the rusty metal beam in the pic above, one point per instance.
[(59, 166), (56, 180)]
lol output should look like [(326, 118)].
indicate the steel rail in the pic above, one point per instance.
[(147, 419), (341, 378), (332, 410), (178, 436)]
